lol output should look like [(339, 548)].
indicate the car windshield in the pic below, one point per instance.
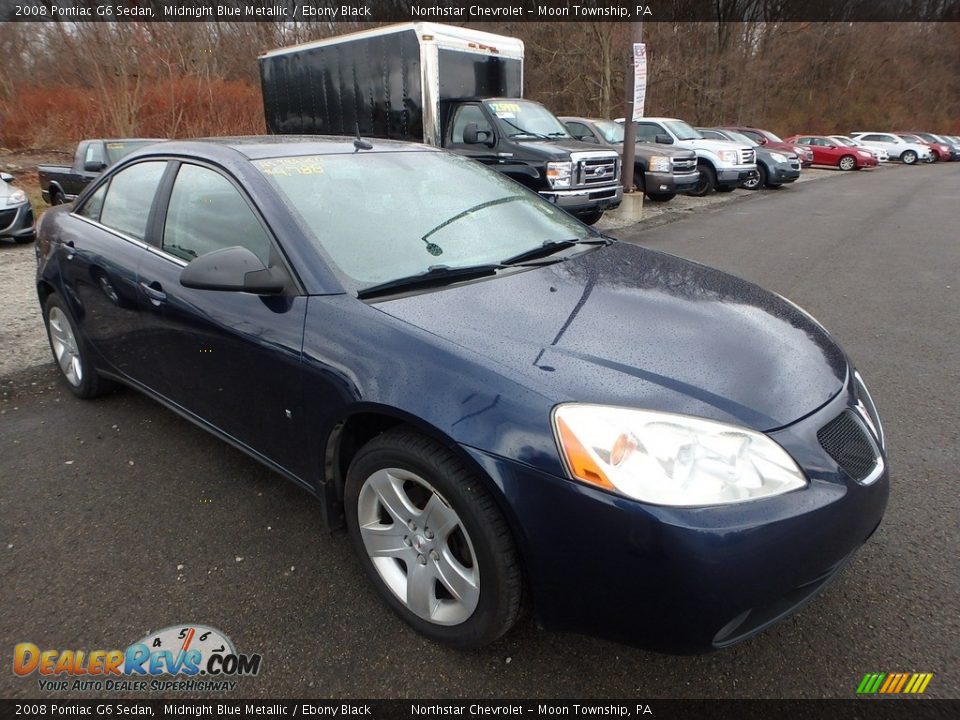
[(521, 118), (389, 215), (118, 150), (612, 132), (843, 141), (771, 136), (682, 130), (741, 138)]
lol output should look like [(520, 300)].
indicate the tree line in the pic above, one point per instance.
[(64, 81)]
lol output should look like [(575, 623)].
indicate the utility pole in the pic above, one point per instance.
[(629, 127)]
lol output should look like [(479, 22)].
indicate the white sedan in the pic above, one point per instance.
[(906, 152)]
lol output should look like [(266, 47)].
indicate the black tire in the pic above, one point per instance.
[(55, 197), (639, 179), (847, 162), (87, 382), (487, 538), (26, 239), (590, 218), (908, 157), (661, 197), (725, 188), (706, 182), (761, 180)]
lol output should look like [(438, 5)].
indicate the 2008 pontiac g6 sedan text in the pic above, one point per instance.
[(502, 405)]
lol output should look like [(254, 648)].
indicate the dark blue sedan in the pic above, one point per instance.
[(503, 406)]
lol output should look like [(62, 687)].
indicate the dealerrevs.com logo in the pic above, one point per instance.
[(187, 658)]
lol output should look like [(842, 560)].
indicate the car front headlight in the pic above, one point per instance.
[(559, 174), (668, 459), (729, 156), (777, 157), (660, 163), (16, 197)]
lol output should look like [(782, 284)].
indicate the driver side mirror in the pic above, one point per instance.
[(233, 269), (7, 177), (587, 138), (473, 135), (663, 140), (94, 166)]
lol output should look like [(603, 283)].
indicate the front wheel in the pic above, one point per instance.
[(755, 183), (55, 197), (590, 218), (69, 351), (432, 540), (909, 157), (661, 197), (847, 162), (706, 181)]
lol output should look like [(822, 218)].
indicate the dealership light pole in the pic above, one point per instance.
[(629, 127)]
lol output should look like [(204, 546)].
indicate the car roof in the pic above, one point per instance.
[(259, 147)]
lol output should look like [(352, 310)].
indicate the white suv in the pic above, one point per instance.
[(906, 152)]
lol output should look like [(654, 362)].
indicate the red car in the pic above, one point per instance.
[(826, 151), (771, 142)]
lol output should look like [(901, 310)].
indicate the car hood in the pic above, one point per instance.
[(628, 326), (558, 149), (714, 146)]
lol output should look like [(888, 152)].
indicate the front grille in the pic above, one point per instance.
[(7, 217), (747, 156), (684, 165), (847, 441), (596, 171)]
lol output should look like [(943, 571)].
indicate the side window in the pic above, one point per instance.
[(712, 135), (467, 114), (129, 197), (580, 131), (805, 141), (647, 132), (755, 136), (94, 204), (93, 153), (207, 213)]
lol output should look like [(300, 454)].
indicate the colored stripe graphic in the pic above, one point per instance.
[(894, 683)]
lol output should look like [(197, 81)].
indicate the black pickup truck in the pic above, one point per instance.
[(62, 183)]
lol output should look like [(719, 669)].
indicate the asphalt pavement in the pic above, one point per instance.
[(117, 517)]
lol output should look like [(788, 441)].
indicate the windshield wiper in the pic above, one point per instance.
[(434, 275), (549, 247), (523, 131)]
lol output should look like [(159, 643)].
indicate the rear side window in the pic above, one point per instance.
[(207, 213), (126, 207)]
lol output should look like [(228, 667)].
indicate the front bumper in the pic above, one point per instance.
[(16, 223), (869, 162), (736, 175), (586, 199), (662, 182), (684, 580), (786, 172)]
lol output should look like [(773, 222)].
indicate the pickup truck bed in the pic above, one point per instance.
[(62, 183)]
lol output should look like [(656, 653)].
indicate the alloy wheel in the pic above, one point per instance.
[(65, 348), (419, 546)]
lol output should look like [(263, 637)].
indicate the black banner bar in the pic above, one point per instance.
[(861, 709), (465, 11)]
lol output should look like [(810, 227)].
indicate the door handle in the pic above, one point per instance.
[(155, 292)]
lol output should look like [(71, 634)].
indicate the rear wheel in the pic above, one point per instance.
[(706, 181), (847, 162), (56, 198), (432, 540), (725, 188), (909, 157), (70, 351)]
